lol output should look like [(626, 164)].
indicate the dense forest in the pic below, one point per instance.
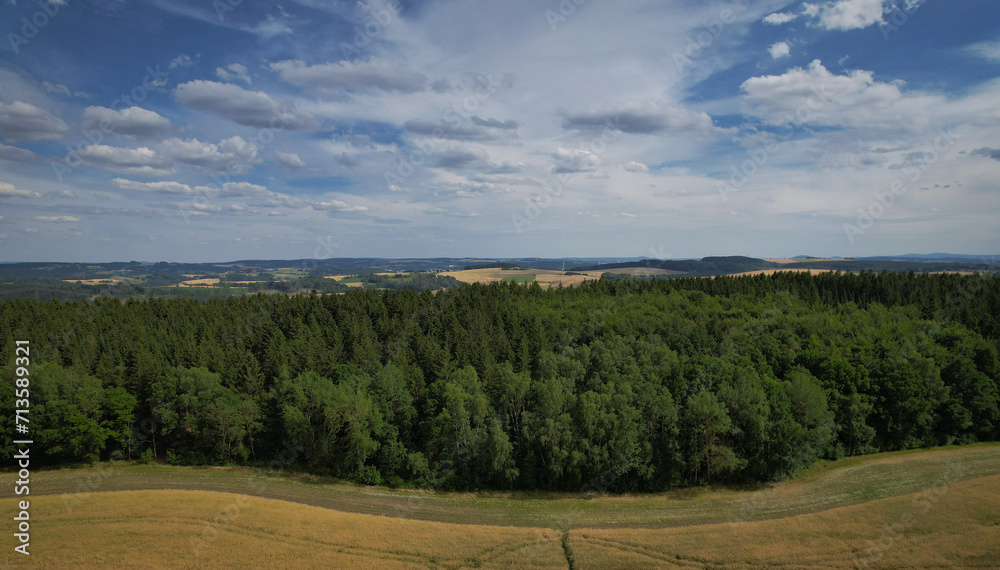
[(617, 384)]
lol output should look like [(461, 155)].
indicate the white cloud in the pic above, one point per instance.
[(249, 108), (57, 88), (986, 50), (57, 219), (778, 18), (234, 155), (20, 120), (639, 117), (779, 50), (337, 205), (130, 121), (16, 154), (291, 160), (234, 189), (183, 60), (816, 96), (350, 76), (461, 132), (165, 187), (7, 190), (636, 167), (142, 161), (233, 72), (574, 160), (844, 15)]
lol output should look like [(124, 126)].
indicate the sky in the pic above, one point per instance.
[(197, 131)]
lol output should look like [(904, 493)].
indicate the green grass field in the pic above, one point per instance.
[(928, 507)]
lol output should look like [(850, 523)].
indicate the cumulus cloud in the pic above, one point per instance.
[(646, 117), (142, 161), (234, 155), (338, 206), (844, 15), (778, 18), (344, 159), (509, 124), (290, 160), (815, 96), (132, 121), (234, 189), (779, 50), (7, 190), (574, 160), (457, 158), (16, 154), (183, 60), (988, 152), (24, 121), (636, 167), (234, 72), (164, 187), (351, 76), (249, 108), (463, 132)]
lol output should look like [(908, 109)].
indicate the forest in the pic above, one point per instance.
[(619, 385)]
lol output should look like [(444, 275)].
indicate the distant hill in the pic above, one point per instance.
[(710, 266), (692, 267)]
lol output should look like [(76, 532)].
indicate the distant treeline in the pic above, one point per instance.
[(709, 266), (624, 385), (501, 266), (162, 286)]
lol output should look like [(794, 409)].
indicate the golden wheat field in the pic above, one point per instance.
[(545, 277), (943, 527), (921, 508), (201, 529)]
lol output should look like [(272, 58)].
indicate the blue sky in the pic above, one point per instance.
[(199, 131)]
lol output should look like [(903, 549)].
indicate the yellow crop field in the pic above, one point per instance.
[(917, 508), (944, 527), (201, 529), (544, 277)]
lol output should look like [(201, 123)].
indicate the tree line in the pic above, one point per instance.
[(619, 385)]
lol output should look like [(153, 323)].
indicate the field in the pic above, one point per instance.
[(920, 508), (954, 526), (544, 277), (188, 529), (789, 270)]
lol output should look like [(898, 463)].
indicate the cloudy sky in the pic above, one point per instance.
[(198, 131)]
